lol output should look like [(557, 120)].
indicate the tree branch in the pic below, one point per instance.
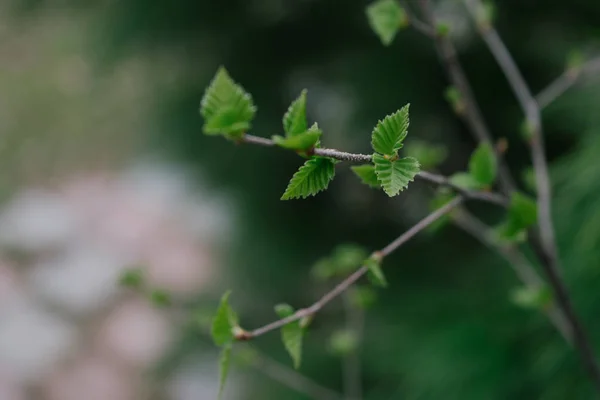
[(546, 246), (350, 280), (517, 260), (472, 114), (440, 180), (565, 81)]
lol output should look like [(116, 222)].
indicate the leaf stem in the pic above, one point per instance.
[(351, 279)]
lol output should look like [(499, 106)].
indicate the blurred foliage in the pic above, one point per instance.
[(445, 327)]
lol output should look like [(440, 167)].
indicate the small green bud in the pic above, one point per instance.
[(343, 342), (443, 29), (160, 298), (454, 98)]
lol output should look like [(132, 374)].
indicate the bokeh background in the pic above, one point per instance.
[(105, 167)]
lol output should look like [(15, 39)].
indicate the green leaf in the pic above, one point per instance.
[(291, 334), (313, 177), (301, 142), (375, 273), (224, 363), (224, 322), (227, 109), (160, 298), (482, 165), (465, 181), (386, 17), (429, 155), (388, 135), (343, 342), (323, 269), (537, 298), (294, 120), (132, 278), (366, 174), (394, 176), (522, 213)]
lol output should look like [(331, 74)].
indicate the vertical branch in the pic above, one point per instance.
[(472, 114), (518, 262), (355, 318), (546, 247)]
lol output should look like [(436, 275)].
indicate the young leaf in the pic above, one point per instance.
[(366, 174), (465, 181), (532, 298), (223, 322), (386, 17), (362, 296), (375, 273), (522, 213), (429, 155), (388, 135), (224, 363), (394, 176), (301, 142), (482, 165), (227, 109), (313, 177), (348, 257), (294, 120), (291, 334)]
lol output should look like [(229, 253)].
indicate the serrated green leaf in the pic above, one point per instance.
[(388, 135), (394, 176), (386, 17), (227, 109), (313, 177), (375, 273), (224, 321), (343, 342), (224, 363), (532, 297), (366, 173), (294, 120), (291, 334), (465, 181), (429, 155), (301, 142), (482, 165)]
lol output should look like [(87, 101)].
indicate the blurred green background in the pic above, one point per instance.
[(97, 84)]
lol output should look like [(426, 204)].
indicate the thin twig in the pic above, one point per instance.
[(565, 81), (440, 180), (293, 379), (516, 259), (472, 114), (350, 280), (355, 320), (546, 247), (416, 22)]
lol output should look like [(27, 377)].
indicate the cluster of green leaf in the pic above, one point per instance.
[(388, 170)]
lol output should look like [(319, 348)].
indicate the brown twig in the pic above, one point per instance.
[(350, 280), (565, 81), (546, 246), (472, 114)]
